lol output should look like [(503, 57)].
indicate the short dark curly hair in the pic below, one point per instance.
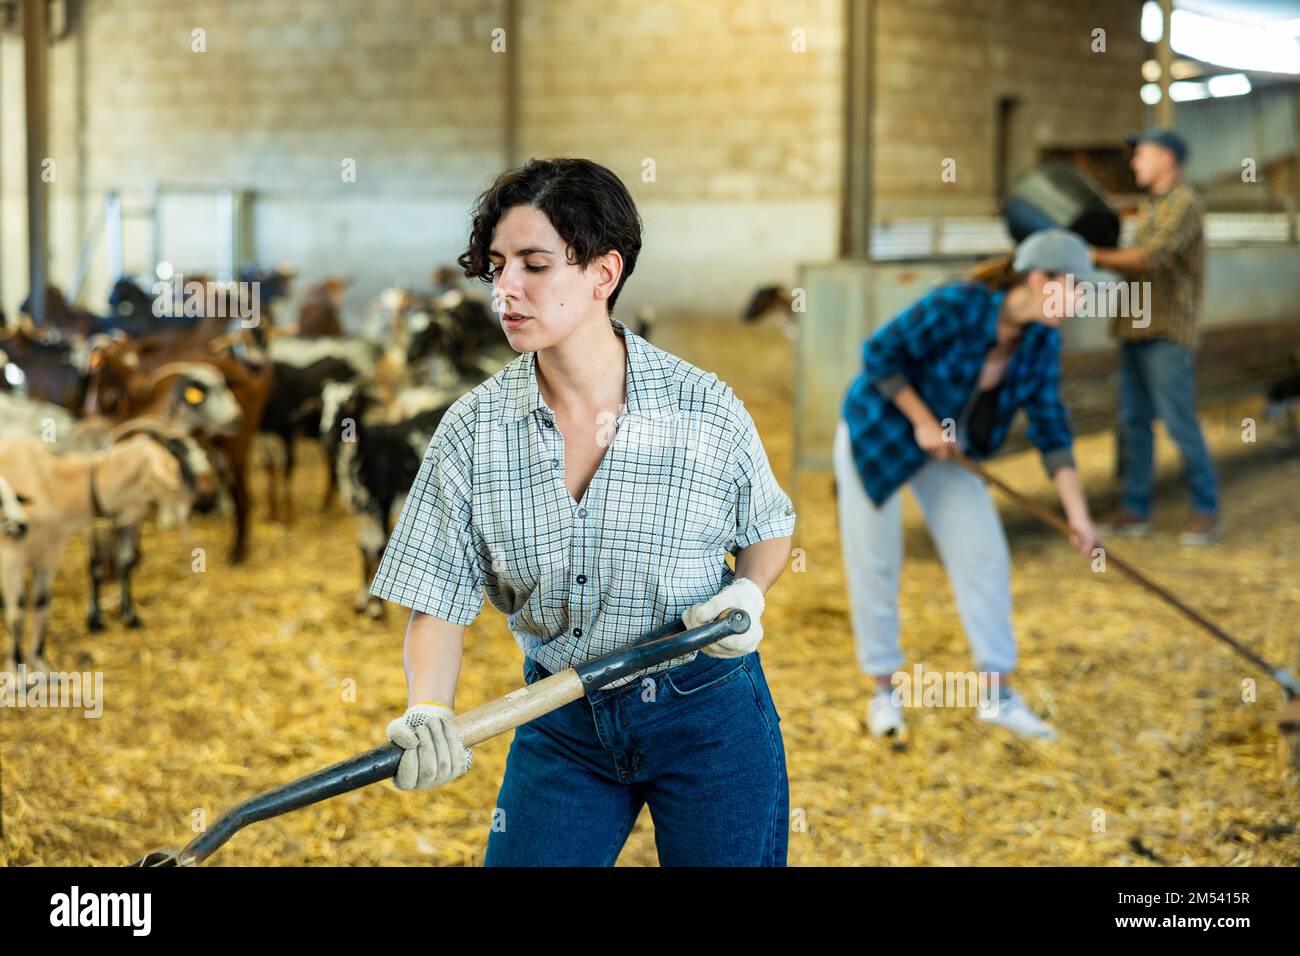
[(587, 204)]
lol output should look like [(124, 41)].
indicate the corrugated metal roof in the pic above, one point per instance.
[(1220, 133), (1244, 11)]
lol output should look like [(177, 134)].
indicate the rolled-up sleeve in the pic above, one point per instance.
[(763, 509), (431, 561), (1049, 421)]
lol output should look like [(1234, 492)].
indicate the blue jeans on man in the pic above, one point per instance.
[(1157, 380)]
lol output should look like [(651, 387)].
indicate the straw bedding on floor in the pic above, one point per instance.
[(246, 677)]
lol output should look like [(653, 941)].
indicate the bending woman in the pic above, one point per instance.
[(952, 371), (594, 487)]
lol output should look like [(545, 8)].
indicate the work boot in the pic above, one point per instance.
[(1122, 521), (1202, 528)]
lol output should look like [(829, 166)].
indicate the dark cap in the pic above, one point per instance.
[(1161, 137)]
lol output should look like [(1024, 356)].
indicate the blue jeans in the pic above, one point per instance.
[(1157, 380), (699, 743), (968, 535)]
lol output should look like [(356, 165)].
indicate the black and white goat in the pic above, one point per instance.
[(375, 461), (302, 368)]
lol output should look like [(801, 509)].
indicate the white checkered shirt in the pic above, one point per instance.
[(684, 481)]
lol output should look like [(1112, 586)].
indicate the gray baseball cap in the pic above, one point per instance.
[(1058, 251)]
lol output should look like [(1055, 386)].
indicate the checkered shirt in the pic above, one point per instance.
[(1172, 234), (938, 346), (684, 481)]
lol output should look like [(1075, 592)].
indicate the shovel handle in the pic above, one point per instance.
[(474, 726), (550, 693)]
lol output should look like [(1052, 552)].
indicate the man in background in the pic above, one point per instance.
[(1158, 352)]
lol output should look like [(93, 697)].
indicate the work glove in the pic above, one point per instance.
[(432, 751), (742, 594)]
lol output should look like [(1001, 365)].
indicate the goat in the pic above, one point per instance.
[(376, 463), (63, 494)]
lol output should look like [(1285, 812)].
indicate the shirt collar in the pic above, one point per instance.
[(648, 382)]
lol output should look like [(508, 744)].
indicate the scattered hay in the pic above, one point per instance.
[(247, 677)]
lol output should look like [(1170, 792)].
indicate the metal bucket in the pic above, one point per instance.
[(1060, 195)]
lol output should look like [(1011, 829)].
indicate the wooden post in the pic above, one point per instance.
[(859, 104), (512, 84), (1293, 200), (1165, 57), (2, 267), (34, 47)]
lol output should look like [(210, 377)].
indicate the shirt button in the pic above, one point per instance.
[(555, 463), (582, 512), (582, 579), (548, 423), (577, 632)]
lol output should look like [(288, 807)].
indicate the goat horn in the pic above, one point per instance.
[(144, 423)]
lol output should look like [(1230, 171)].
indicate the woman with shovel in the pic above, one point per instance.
[(593, 487), (950, 373)]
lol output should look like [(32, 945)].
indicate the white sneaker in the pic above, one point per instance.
[(1013, 713), (884, 717)]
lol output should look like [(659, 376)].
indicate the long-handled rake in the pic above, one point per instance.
[(1288, 720), (475, 726)]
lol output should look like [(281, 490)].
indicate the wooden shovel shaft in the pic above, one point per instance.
[(474, 726), (518, 707), (1038, 511)]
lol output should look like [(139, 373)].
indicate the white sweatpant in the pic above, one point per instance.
[(968, 535)]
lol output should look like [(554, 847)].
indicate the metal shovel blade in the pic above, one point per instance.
[(158, 858)]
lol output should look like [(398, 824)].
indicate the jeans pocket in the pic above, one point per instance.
[(762, 693), (687, 680)]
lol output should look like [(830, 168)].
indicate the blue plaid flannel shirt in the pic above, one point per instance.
[(938, 346)]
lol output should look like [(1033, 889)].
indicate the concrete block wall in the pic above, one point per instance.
[(723, 119), (286, 91), (738, 105), (942, 66)]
